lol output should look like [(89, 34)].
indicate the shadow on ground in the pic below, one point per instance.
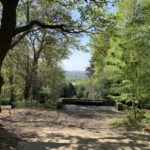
[(80, 111), (69, 116), (36, 129), (67, 142), (132, 141), (8, 140)]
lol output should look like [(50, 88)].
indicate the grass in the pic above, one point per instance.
[(147, 115), (123, 121), (35, 104), (117, 121)]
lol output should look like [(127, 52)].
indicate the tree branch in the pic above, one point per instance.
[(62, 27), (19, 39), (38, 23)]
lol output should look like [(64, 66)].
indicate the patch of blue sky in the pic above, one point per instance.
[(79, 60)]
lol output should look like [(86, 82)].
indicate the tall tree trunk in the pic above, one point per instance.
[(31, 81), (12, 95), (34, 80), (28, 85), (1, 84), (11, 82), (8, 24)]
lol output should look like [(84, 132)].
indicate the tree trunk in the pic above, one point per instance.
[(134, 110), (34, 80), (12, 95), (31, 81), (28, 85), (1, 84), (8, 25)]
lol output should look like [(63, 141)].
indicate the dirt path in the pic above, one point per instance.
[(73, 128)]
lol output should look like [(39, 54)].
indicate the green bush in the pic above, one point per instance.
[(146, 104), (31, 103), (59, 104), (131, 121), (116, 121), (5, 101), (35, 103), (50, 104), (128, 120)]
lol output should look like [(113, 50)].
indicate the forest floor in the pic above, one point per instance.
[(72, 128)]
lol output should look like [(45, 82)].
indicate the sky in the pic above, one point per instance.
[(78, 60)]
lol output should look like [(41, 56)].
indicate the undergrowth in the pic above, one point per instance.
[(130, 123)]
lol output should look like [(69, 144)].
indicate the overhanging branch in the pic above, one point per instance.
[(61, 27), (19, 39), (38, 23)]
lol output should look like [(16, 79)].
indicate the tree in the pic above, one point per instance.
[(99, 81), (10, 34), (25, 57), (68, 90), (126, 62), (9, 72), (135, 46)]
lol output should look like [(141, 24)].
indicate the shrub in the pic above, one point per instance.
[(59, 104), (5, 101), (31, 103), (130, 117), (128, 120), (116, 121)]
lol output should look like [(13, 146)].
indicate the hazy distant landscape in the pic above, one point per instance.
[(75, 74)]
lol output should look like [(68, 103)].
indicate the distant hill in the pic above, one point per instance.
[(75, 74)]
